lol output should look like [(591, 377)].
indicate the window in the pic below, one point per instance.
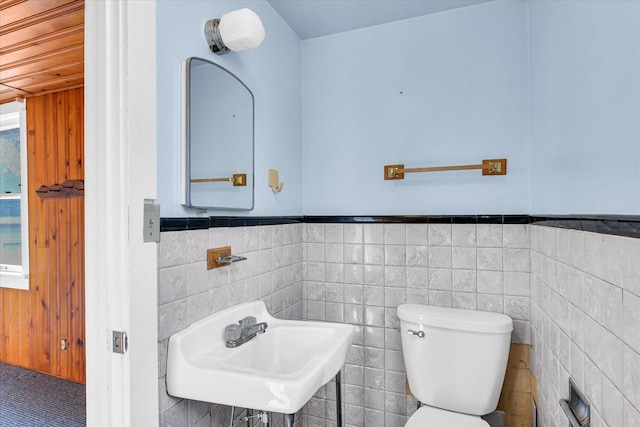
[(14, 230)]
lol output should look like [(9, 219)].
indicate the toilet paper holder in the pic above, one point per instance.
[(577, 408)]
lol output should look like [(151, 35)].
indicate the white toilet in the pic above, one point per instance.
[(456, 361)]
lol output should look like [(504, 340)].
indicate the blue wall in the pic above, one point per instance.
[(554, 86), (272, 72), (585, 93), (442, 89)]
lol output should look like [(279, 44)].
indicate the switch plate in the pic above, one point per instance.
[(151, 222)]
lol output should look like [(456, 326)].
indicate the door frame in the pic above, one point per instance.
[(120, 175)]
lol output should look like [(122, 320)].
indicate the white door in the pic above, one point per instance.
[(120, 173)]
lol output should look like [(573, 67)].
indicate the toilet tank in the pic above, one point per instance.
[(460, 362)]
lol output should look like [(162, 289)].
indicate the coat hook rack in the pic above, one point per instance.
[(488, 167), (238, 179), (274, 181), (66, 190)]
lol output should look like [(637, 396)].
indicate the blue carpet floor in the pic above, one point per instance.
[(32, 399)]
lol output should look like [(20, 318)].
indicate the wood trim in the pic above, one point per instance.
[(11, 93), (31, 95), (53, 84)]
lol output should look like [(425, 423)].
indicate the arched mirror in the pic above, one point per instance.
[(217, 143)]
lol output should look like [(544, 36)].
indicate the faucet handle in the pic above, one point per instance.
[(247, 321), (232, 332)]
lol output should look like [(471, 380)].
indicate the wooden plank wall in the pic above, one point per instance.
[(518, 388), (33, 322)]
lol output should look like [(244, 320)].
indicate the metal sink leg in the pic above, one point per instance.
[(338, 400), (288, 420)]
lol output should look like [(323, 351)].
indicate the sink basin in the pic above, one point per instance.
[(277, 371)]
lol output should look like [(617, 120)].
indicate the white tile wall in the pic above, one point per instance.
[(188, 292), (580, 292), (585, 313), (360, 273)]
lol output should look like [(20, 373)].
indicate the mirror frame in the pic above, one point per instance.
[(185, 173)]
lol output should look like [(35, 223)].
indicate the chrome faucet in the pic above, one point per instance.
[(245, 330)]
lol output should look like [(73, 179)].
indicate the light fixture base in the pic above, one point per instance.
[(214, 39)]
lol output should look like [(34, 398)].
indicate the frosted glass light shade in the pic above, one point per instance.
[(241, 30)]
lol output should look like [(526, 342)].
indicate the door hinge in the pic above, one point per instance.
[(120, 342)]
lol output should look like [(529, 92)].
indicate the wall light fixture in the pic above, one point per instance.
[(238, 30)]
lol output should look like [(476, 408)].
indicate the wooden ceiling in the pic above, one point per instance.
[(41, 47)]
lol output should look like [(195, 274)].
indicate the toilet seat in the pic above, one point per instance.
[(428, 416)]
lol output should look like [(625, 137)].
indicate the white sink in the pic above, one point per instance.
[(277, 371)]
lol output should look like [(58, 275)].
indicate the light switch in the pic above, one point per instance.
[(151, 225)]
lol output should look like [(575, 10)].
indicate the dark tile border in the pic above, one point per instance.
[(422, 219), (181, 224), (203, 223), (619, 225), (623, 225)]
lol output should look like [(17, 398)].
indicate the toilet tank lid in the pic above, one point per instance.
[(456, 318)]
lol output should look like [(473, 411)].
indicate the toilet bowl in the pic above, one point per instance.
[(455, 361)]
